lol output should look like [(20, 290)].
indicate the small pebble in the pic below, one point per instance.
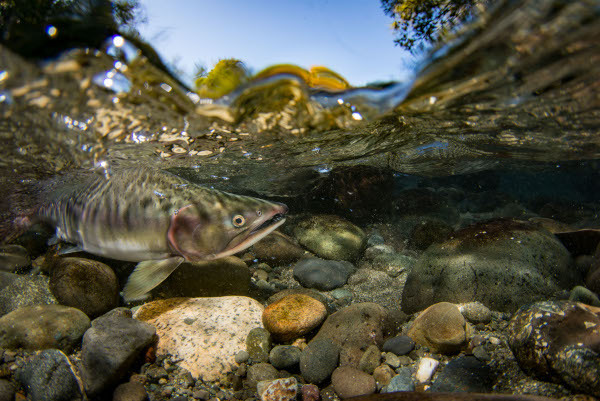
[(399, 345), (481, 353), (392, 359), (242, 357), (425, 369)]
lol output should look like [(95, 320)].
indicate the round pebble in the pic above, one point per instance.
[(293, 316), (318, 360), (322, 274), (286, 357), (351, 382), (399, 345)]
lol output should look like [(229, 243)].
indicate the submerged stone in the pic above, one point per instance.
[(503, 264)]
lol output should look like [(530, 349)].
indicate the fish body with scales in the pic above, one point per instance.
[(155, 218)]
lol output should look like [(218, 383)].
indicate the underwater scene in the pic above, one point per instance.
[(285, 235)]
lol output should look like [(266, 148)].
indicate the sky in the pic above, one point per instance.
[(351, 37)]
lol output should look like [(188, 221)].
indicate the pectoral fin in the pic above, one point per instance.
[(147, 275)]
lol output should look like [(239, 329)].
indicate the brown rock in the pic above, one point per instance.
[(441, 327), (130, 391), (351, 382), (85, 284), (293, 316), (354, 328), (277, 249), (383, 374)]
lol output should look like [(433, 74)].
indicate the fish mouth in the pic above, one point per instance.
[(260, 229)]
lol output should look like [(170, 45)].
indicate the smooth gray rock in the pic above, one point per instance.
[(260, 372), (43, 326), (465, 374), (322, 274), (399, 345), (503, 264), (318, 360), (49, 376), (286, 357), (110, 347)]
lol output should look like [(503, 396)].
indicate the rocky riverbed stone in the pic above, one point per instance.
[(475, 312), (322, 274), (354, 328), (583, 295), (559, 342), (19, 290), (399, 345), (370, 359), (49, 376), (441, 327), (13, 257), (425, 369), (258, 372), (403, 381), (284, 389), (85, 284), (465, 374), (330, 237), (130, 391), (7, 390), (286, 357), (293, 316), (203, 333), (43, 326), (277, 249), (319, 359), (351, 382), (258, 344), (110, 347), (503, 264), (368, 285)]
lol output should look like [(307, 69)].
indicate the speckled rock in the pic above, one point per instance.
[(13, 257), (399, 345), (204, 333), (293, 316), (503, 264), (309, 392), (17, 291), (319, 359), (351, 382), (330, 237), (212, 278), (304, 291), (49, 376), (286, 357), (278, 390), (277, 249), (130, 391), (85, 284), (368, 285), (109, 349), (354, 328), (475, 312), (322, 274), (465, 374), (258, 344), (43, 326), (441, 327), (559, 342)]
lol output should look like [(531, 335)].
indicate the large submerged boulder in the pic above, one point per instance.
[(503, 264)]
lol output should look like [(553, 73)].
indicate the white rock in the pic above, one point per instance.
[(204, 334), (425, 369)]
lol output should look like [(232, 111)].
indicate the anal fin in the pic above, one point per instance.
[(147, 275)]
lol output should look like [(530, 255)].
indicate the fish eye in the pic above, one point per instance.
[(238, 220), (259, 213)]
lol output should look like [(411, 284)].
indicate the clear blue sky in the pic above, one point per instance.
[(352, 37)]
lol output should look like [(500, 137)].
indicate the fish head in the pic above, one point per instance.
[(223, 227)]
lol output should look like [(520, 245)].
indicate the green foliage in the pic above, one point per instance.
[(424, 21), (225, 76)]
